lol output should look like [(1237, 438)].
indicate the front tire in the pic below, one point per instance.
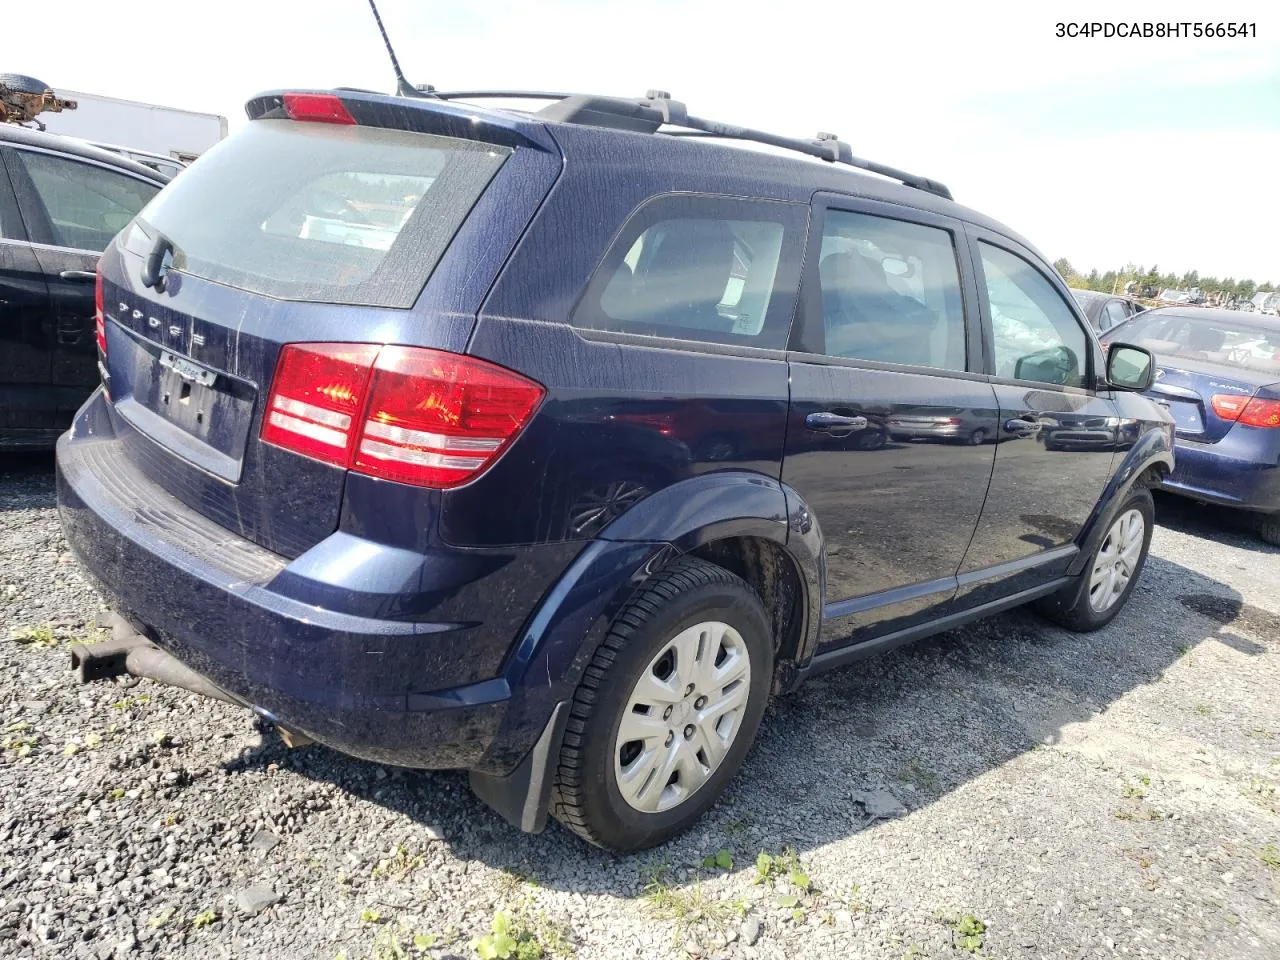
[(666, 710), (1112, 571)]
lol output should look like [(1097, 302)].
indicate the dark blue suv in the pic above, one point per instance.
[(550, 445)]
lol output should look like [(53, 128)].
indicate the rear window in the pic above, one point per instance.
[(320, 212), (1228, 342)]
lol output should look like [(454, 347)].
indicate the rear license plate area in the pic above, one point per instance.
[(1186, 416), (186, 400), (200, 414)]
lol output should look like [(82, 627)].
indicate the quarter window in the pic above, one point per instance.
[(86, 205), (710, 269), (1036, 335), (890, 292)]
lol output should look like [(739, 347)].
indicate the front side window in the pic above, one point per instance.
[(1036, 335), (86, 204), (890, 292), (708, 269)]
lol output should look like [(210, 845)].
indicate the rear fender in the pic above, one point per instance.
[(718, 506), (516, 774)]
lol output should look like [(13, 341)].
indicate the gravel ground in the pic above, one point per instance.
[(1056, 795)]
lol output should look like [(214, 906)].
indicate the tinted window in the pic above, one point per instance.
[(314, 211), (1217, 340), (86, 205), (711, 269), (10, 222), (1036, 335), (1114, 313), (890, 292)]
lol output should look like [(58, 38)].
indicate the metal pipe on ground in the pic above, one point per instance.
[(130, 653)]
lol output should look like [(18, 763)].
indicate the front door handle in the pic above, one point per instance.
[(1022, 428), (834, 421), (85, 275)]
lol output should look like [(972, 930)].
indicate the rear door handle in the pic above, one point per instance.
[(78, 275), (1022, 428), (834, 421)]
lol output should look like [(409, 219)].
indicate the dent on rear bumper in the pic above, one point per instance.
[(405, 690)]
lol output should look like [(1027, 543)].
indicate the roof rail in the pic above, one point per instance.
[(657, 109)]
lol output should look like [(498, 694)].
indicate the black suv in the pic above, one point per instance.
[(61, 202), (550, 445)]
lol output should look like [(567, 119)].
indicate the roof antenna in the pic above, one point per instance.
[(403, 87)]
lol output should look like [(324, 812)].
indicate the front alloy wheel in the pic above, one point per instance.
[(1117, 560), (1093, 599)]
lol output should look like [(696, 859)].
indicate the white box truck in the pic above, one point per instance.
[(144, 131)]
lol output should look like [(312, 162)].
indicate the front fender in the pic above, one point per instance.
[(1154, 448)]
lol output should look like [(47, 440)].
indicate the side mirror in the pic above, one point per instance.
[(897, 267), (1050, 365), (1130, 367)]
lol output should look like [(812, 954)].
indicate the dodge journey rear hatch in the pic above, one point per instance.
[(320, 205)]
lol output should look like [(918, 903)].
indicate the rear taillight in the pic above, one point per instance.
[(316, 108), (317, 398), (1229, 406), (417, 416), (99, 321), (1261, 413), (1256, 412)]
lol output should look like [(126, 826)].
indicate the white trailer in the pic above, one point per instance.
[(143, 127)]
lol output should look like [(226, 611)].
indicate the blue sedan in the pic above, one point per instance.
[(1219, 376)]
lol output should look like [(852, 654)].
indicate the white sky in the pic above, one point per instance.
[(1100, 150)]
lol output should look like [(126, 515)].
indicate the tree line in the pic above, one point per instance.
[(1155, 281)]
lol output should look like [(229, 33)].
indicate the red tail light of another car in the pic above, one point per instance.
[(99, 320), (1255, 412), (417, 416)]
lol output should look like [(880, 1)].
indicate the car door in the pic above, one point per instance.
[(27, 404), (72, 207), (1058, 435), (893, 426)]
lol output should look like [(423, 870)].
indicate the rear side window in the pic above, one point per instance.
[(85, 204), (890, 292), (320, 212), (710, 269)]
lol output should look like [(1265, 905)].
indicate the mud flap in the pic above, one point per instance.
[(523, 797)]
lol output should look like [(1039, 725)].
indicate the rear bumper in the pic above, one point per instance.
[(1226, 473), (376, 688)]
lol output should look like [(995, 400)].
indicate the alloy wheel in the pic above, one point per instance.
[(1117, 560)]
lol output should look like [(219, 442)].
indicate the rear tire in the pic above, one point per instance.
[(1100, 593), (1269, 529), (691, 616)]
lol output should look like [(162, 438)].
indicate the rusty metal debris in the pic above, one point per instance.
[(23, 99)]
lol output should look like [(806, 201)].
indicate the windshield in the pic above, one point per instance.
[(1213, 339), (313, 211)]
